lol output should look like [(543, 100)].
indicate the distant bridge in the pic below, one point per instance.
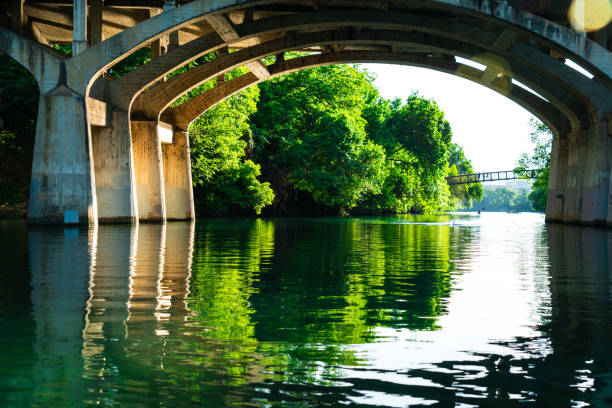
[(492, 176)]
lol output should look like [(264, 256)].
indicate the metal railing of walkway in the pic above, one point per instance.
[(492, 176)]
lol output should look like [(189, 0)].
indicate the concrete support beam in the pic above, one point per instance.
[(574, 177), (177, 178), (148, 171), (79, 27), (173, 37), (165, 133), (62, 188), (114, 171), (159, 46), (18, 17), (555, 199), (597, 162), (609, 218), (95, 22), (228, 33), (97, 113)]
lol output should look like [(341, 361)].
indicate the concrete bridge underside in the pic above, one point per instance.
[(117, 150)]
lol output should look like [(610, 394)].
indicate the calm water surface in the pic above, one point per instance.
[(449, 311)]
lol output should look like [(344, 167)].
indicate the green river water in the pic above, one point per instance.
[(496, 310)]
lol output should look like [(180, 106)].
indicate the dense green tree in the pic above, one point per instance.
[(459, 164), (18, 111), (226, 182), (541, 136), (503, 199), (416, 138), (309, 130)]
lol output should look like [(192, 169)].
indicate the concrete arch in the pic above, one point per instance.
[(41, 61), (496, 49), (576, 45), (182, 115), (150, 105)]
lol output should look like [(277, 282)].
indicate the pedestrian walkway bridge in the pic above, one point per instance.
[(492, 176)]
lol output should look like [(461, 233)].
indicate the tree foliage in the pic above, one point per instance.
[(542, 137), (459, 164), (226, 182), (503, 199), (18, 111), (328, 133)]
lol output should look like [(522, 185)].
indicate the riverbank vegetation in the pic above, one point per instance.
[(502, 200), (316, 142), (541, 137), (324, 142)]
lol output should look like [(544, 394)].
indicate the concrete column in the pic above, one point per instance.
[(555, 198), (95, 22), (18, 17), (596, 158), (62, 188), (114, 171), (79, 26), (609, 218), (61, 261), (177, 178), (574, 177), (158, 46), (145, 290), (148, 171), (173, 38)]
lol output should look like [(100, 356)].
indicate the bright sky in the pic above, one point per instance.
[(492, 129)]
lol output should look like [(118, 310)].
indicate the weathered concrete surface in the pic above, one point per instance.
[(186, 112), (177, 178), (574, 177), (555, 200), (610, 202), (597, 160), (62, 188), (148, 170), (114, 172)]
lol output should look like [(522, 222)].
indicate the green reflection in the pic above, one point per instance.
[(335, 282)]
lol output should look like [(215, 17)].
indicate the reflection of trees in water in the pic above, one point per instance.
[(335, 282), (14, 300), (270, 308)]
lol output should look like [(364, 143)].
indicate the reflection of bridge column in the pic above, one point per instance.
[(174, 282), (107, 307), (60, 262), (145, 280), (581, 269), (148, 171), (177, 178)]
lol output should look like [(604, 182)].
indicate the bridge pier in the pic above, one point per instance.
[(596, 184), (62, 187), (148, 171), (579, 187), (555, 199), (178, 186), (114, 170)]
